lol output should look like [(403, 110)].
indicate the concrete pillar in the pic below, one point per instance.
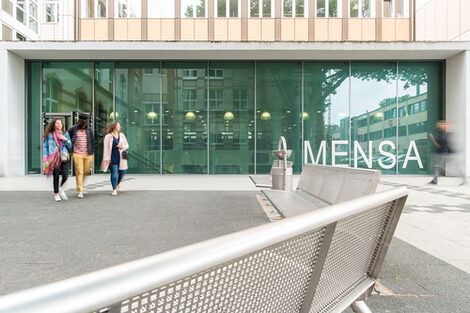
[(12, 117), (458, 105)]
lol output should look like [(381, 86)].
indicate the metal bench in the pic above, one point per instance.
[(322, 261), (322, 185)]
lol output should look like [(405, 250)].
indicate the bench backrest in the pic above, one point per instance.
[(317, 262), (335, 184)]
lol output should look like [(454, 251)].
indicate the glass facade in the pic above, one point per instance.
[(226, 117)]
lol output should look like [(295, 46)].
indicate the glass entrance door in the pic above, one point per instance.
[(66, 118)]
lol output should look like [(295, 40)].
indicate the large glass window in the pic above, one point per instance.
[(396, 8), (86, 7), (228, 8), (278, 98), (33, 15), (104, 89), (419, 98), (328, 8), (7, 6), (373, 92), (362, 8), (193, 8), (52, 11), (326, 113), (231, 103), (100, 9), (7, 33), (67, 87), (128, 8), (34, 117), (161, 9), (261, 8), (185, 128), (294, 8), (138, 111)]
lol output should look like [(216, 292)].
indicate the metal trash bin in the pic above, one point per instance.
[(281, 172)]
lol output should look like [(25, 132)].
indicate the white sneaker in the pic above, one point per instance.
[(114, 193), (62, 194), (57, 198), (80, 195)]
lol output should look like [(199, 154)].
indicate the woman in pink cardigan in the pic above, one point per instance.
[(114, 144)]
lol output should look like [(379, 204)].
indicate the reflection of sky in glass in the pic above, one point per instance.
[(340, 104), (367, 94)]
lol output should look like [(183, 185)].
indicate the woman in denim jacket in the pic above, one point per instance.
[(56, 141)]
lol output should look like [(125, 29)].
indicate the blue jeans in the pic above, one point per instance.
[(116, 175)]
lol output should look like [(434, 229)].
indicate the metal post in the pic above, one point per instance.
[(360, 307)]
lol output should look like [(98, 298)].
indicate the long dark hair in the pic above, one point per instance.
[(51, 126), (111, 126)]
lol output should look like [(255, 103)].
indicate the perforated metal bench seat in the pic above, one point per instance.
[(322, 185), (290, 204)]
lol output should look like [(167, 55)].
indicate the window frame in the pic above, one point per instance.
[(339, 6), (52, 3), (260, 9), (359, 15), (294, 13), (130, 4), (406, 9), (227, 9), (96, 10), (184, 6)]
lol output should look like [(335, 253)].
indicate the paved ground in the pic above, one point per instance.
[(43, 241), (427, 268)]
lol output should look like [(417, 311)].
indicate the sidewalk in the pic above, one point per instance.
[(427, 268)]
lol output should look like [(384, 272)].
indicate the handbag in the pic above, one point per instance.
[(125, 155), (64, 156)]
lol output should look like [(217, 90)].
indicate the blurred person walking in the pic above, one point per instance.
[(115, 155), (83, 149), (443, 150), (56, 156)]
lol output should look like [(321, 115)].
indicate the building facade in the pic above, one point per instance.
[(207, 87)]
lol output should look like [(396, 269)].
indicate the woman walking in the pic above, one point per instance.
[(56, 155), (115, 143)]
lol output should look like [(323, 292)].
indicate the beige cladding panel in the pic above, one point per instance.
[(87, 29), (402, 29), (154, 29), (321, 29), (267, 29), (187, 29), (254, 29), (101, 29), (201, 29), (388, 29), (301, 29), (368, 29), (355, 29), (287, 29), (234, 29), (335, 29), (134, 29), (220, 29), (168, 29), (120, 29)]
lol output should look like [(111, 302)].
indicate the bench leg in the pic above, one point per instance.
[(360, 307)]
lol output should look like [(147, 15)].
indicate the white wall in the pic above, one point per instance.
[(12, 114), (458, 105)]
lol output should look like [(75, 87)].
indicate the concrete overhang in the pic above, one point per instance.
[(138, 50)]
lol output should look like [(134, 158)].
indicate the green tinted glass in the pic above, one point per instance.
[(34, 117), (326, 112), (185, 118), (231, 103), (138, 112), (278, 94)]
